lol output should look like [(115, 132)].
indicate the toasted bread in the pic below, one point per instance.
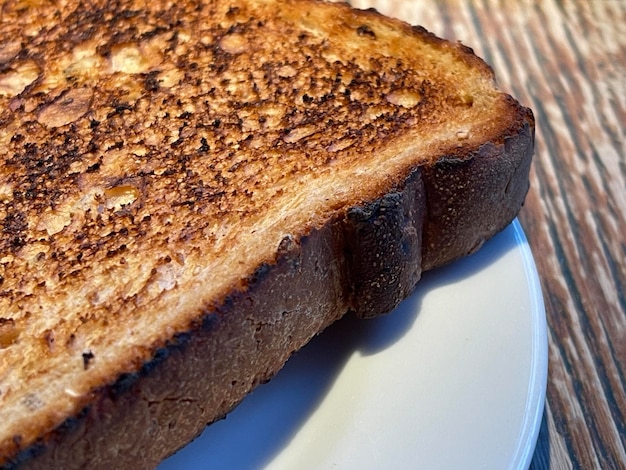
[(190, 191)]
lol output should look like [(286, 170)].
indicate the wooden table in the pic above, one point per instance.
[(567, 61)]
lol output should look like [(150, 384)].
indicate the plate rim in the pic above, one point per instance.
[(535, 404)]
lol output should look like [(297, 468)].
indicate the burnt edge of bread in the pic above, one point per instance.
[(325, 271)]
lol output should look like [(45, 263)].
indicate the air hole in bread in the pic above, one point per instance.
[(119, 196), (404, 98), (128, 58)]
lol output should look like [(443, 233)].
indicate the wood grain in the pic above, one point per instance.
[(567, 61)]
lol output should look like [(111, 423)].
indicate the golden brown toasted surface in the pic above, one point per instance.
[(154, 154)]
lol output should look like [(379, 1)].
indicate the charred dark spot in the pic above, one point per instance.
[(87, 358), (153, 32), (232, 11), (187, 203), (119, 108), (365, 30), (204, 145), (116, 251), (117, 145), (151, 82), (95, 167), (13, 226)]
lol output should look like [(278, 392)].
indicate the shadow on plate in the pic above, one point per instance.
[(265, 422)]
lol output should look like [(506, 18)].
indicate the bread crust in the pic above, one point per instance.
[(473, 196), (364, 255)]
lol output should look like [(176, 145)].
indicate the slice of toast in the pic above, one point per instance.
[(190, 191)]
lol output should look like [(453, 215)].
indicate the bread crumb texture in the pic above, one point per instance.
[(176, 152)]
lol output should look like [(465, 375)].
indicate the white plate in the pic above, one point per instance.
[(454, 378)]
